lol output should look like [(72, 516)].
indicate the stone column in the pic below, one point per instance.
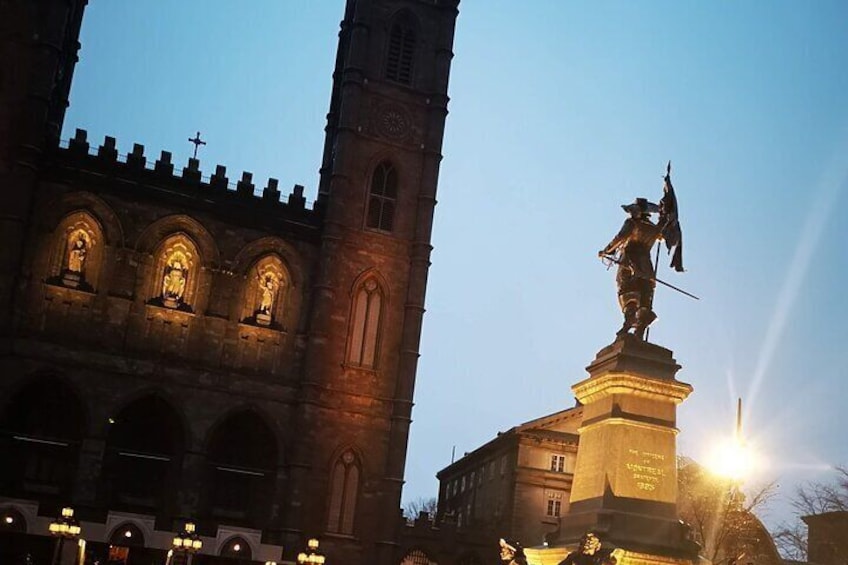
[(625, 481), (89, 472)]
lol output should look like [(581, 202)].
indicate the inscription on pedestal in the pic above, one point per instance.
[(644, 470)]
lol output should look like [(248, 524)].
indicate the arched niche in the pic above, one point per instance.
[(68, 203), (127, 535), (12, 520), (176, 272), (267, 292), (237, 548), (77, 252)]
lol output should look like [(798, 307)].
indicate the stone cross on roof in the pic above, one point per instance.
[(197, 143)]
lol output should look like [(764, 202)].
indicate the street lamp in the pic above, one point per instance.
[(187, 542), (64, 527), (312, 557), (733, 459)]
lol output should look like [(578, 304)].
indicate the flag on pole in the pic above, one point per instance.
[(669, 219)]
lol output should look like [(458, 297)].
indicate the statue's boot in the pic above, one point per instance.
[(630, 320), (644, 317)]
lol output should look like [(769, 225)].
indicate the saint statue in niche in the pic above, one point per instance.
[(174, 283), (76, 256), (267, 291), (77, 250)]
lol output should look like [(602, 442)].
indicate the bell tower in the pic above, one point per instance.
[(38, 50), (377, 189)]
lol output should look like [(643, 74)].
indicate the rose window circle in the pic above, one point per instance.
[(394, 122)]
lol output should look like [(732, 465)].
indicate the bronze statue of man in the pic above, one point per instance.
[(631, 250)]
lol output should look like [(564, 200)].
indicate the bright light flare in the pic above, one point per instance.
[(732, 459)]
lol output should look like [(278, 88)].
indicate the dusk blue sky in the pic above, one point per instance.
[(560, 111)]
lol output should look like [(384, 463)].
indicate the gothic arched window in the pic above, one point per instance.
[(365, 324), (143, 454), (242, 455), (401, 51), (344, 489), (40, 434), (382, 197)]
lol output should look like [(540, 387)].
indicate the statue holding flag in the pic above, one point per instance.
[(630, 249)]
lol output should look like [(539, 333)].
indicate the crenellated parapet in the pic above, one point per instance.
[(160, 178)]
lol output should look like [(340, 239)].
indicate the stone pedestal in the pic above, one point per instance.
[(625, 481), (71, 279), (263, 319)]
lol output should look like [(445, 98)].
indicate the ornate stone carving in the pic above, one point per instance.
[(393, 121)]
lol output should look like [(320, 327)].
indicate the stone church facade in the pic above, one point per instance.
[(178, 345)]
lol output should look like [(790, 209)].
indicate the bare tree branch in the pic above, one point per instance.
[(815, 497), (413, 508)]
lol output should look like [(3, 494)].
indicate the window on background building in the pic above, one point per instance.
[(462, 486), (382, 198), (503, 464), (471, 482), (491, 470), (554, 503), (558, 463)]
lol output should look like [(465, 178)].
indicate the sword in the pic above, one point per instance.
[(655, 279)]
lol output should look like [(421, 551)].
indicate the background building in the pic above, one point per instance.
[(518, 484), (176, 346), (827, 537)]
